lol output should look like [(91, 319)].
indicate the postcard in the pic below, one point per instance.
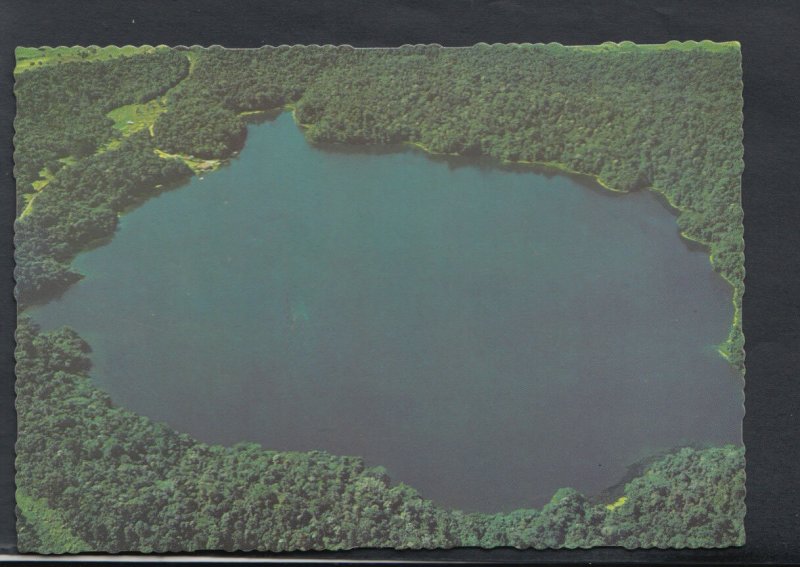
[(325, 298)]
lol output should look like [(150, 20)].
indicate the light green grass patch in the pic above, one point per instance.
[(33, 57), (197, 165), (28, 199), (45, 176), (617, 503), (134, 117)]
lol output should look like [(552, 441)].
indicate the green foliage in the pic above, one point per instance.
[(61, 113), (106, 479), (215, 130), (203, 117), (673, 123), (692, 496)]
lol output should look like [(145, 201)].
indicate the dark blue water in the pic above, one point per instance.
[(487, 334)]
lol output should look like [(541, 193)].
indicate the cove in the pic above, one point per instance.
[(489, 334)]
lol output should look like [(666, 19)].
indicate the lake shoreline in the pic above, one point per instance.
[(724, 349)]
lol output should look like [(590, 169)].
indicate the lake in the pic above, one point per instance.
[(489, 334)]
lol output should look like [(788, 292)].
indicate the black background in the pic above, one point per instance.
[(768, 31)]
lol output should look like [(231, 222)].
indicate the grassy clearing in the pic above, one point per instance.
[(192, 55), (198, 165), (28, 198), (33, 57), (135, 117), (45, 176), (127, 119)]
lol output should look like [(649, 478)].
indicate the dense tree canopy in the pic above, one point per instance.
[(61, 128)]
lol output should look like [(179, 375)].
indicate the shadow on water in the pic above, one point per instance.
[(488, 163), (662, 200), (262, 116), (480, 162), (359, 149), (57, 290)]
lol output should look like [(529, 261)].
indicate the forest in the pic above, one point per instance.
[(108, 480), (93, 476)]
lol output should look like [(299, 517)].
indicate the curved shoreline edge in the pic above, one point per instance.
[(724, 348)]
